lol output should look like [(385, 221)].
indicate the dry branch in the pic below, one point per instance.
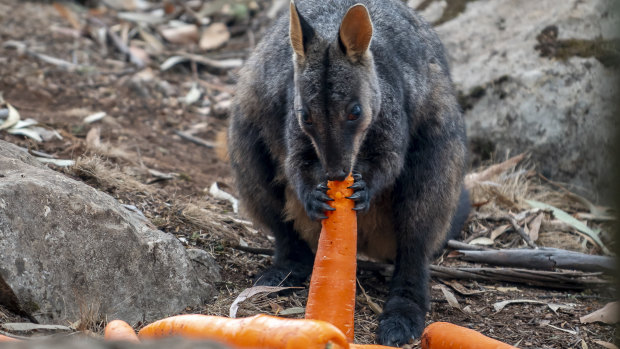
[(571, 280), (548, 279), (542, 258)]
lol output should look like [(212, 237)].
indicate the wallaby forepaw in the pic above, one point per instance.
[(360, 195), (399, 326), (316, 204)]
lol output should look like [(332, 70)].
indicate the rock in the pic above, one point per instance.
[(66, 248), (558, 109)]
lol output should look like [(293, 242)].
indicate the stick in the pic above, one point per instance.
[(570, 280), (542, 258), (547, 279), (196, 140), (458, 245)]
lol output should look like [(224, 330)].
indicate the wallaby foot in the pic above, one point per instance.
[(400, 321)]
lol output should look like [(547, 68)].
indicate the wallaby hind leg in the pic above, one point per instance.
[(264, 201), (423, 205)]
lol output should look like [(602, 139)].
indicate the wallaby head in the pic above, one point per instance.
[(336, 89)]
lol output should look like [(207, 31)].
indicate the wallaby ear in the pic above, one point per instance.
[(356, 31), (300, 32)]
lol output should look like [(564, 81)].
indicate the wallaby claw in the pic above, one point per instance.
[(360, 196), (316, 204)]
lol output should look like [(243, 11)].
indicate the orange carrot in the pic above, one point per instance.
[(7, 339), (119, 330), (259, 331), (331, 296), (444, 335)]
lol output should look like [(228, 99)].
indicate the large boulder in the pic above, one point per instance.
[(67, 249), (558, 107)]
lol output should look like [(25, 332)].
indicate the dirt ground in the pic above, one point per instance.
[(144, 109)]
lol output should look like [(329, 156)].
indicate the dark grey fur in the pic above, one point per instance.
[(408, 147)]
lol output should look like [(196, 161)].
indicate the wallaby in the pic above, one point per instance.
[(359, 86)]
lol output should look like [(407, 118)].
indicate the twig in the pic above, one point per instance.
[(195, 140), (254, 250), (458, 245), (518, 229), (119, 44)]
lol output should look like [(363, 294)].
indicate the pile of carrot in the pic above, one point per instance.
[(329, 311)]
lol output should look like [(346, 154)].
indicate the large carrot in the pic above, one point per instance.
[(119, 330), (444, 335), (331, 296), (259, 331), (4, 338)]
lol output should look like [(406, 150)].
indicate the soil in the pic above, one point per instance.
[(144, 109)]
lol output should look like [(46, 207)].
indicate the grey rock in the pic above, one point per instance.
[(559, 111), (205, 265), (66, 249)]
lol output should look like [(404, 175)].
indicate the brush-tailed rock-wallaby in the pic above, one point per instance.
[(358, 86)]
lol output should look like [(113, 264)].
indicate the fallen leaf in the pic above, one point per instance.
[(93, 138), (507, 289), (94, 117), (214, 36), (555, 306), (568, 219), (27, 132), (193, 95), (57, 162), (376, 308), (605, 344), (449, 296), (461, 289), (499, 231), (217, 193), (499, 306), (534, 226), (250, 292), (68, 15), (584, 345), (482, 241), (608, 314), (12, 118), (183, 34)]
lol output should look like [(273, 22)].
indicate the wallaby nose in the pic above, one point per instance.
[(336, 175)]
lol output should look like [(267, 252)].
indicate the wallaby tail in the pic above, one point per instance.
[(458, 220)]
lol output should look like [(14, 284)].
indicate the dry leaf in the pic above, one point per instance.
[(214, 36), (608, 314), (376, 308), (250, 292), (534, 226), (217, 193), (68, 15), (500, 305), (449, 296), (184, 34), (12, 119), (605, 344), (461, 289), (57, 162), (584, 345), (499, 231), (93, 138), (27, 132), (482, 241), (94, 117)]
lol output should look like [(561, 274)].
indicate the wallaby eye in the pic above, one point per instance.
[(305, 117), (355, 112)]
